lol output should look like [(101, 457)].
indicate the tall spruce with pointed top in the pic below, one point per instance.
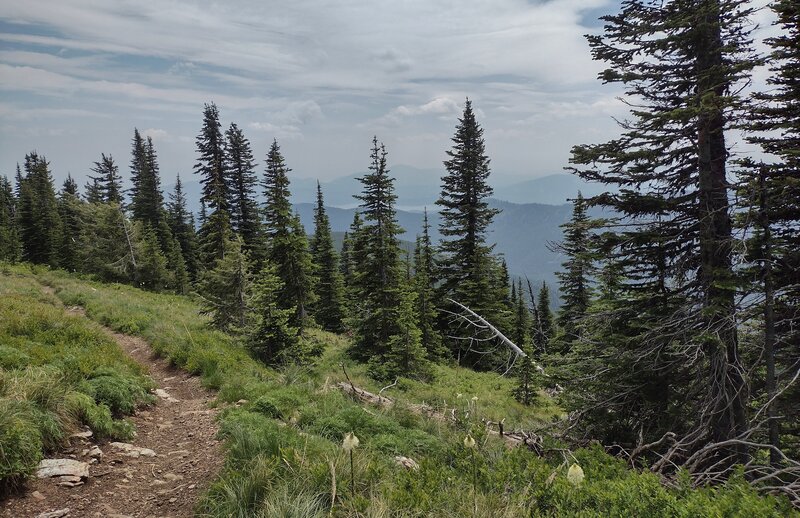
[(107, 181), (577, 270), (770, 193), (426, 301), (682, 65), (39, 221), (377, 267), (543, 324), (10, 245), (329, 308), (147, 200), (70, 211), (287, 243), (181, 223), (216, 227), (467, 266), (240, 169)]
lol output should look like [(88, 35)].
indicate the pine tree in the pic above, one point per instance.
[(575, 278), (329, 308), (10, 245), (226, 288), (241, 175), (69, 209), (426, 307), (147, 200), (466, 263), (215, 228), (682, 64), (182, 228), (108, 182), (39, 221), (271, 338), (376, 260), (287, 241)]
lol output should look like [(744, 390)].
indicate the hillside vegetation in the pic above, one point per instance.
[(284, 438)]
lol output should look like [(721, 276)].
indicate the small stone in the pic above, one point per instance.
[(173, 500), (82, 435), (172, 477), (133, 451), (163, 394), (94, 452), (59, 467), (37, 495), (54, 514), (406, 462), (192, 486), (241, 402)]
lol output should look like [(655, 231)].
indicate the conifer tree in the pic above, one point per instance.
[(181, 225), (92, 191), (351, 258), (10, 246), (405, 354), (543, 326), (426, 301), (147, 200), (376, 260), (240, 174), (108, 182), (683, 65), (287, 243), (466, 263), (110, 246), (151, 265), (39, 221), (226, 288), (216, 227), (575, 278), (70, 212), (329, 308), (271, 338)]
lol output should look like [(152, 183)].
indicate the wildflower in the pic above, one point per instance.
[(575, 474), (458, 396), (469, 442), (350, 442), (474, 398)]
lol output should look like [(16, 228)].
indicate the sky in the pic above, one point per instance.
[(321, 76)]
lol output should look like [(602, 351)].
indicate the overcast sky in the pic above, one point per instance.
[(320, 76)]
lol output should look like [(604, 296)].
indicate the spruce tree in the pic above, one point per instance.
[(93, 193), (576, 274), (70, 212), (147, 200), (182, 228), (241, 176), (405, 354), (109, 247), (287, 245), (270, 337), (329, 308), (10, 245), (682, 65), (39, 221), (226, 289), (351, 258), (215, 228), (467, 266), (543, 325), (108, 182), (426, 301), (152, 272)]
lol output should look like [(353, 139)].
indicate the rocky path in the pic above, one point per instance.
[(166, 468)]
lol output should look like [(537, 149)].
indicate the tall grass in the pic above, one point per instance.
[(283, 444), (56, 373)]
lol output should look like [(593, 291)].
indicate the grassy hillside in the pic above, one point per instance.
[(56, 372), (283, 442)]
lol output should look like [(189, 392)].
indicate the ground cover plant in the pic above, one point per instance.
[(283, 432)]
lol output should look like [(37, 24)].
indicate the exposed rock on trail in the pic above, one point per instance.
[(161, 472)]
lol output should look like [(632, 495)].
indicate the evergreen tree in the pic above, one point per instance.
[(351, 258), (405, 354), (109, 247), (287, 241), (226, 288), (151, 265), (329, 309), (147, 201), (39, 221), (426, 301), (672, 347), (466, 263), (182, 228), (108, 182), (93, 191), (10, 246), (270, 338), (216, 227), (574, 279), (69, 209), (376, 261), (241, 175), (543, 326)]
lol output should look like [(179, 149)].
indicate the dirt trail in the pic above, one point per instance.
[(180, 428)]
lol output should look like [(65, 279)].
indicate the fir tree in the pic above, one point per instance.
[(683, 65), (39, 221), (108, 182), (574, 279), (270, 338), (10, 245), (287, 241), (147, 201), (216, 227), (405, 354), (329, 308), (182, 228), (466, 262), (151, 265), (109, 248), (93, 192), (226, 288), (69, 209), (426, 301), (240, 174), (543, 326)]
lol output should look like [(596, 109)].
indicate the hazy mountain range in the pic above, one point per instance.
[(531, 212)]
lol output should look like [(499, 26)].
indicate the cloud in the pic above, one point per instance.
[(157, 134)]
